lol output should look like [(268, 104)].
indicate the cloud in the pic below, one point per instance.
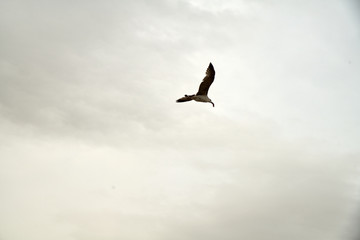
[(93, 145)]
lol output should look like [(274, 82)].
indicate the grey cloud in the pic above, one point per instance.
[(93, 145), (68, 54)]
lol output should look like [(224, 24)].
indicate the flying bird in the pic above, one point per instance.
[(201, 95)]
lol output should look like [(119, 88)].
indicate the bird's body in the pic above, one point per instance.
[(201, 98), (201, 95)]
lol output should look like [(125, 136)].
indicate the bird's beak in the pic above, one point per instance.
[(212, 104)]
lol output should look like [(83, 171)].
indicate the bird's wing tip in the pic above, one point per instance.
[(211, 67)]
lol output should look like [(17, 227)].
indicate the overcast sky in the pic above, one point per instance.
[(94, 147)]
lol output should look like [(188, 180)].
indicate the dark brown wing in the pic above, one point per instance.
[(207, 81), (186, 98)]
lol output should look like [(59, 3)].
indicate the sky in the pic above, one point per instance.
[(93, 145)]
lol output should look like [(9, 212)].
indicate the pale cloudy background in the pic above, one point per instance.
[(94, 147)]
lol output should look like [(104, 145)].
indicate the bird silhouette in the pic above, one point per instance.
[(201, 95)]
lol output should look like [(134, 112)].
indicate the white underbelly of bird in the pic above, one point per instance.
[(201, 98)]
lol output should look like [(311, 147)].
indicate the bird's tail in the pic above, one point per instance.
[(186, 98)]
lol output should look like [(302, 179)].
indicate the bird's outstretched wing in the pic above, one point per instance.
[(207, 81), (186, 98)]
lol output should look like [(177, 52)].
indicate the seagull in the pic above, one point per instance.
[(201, 95)]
